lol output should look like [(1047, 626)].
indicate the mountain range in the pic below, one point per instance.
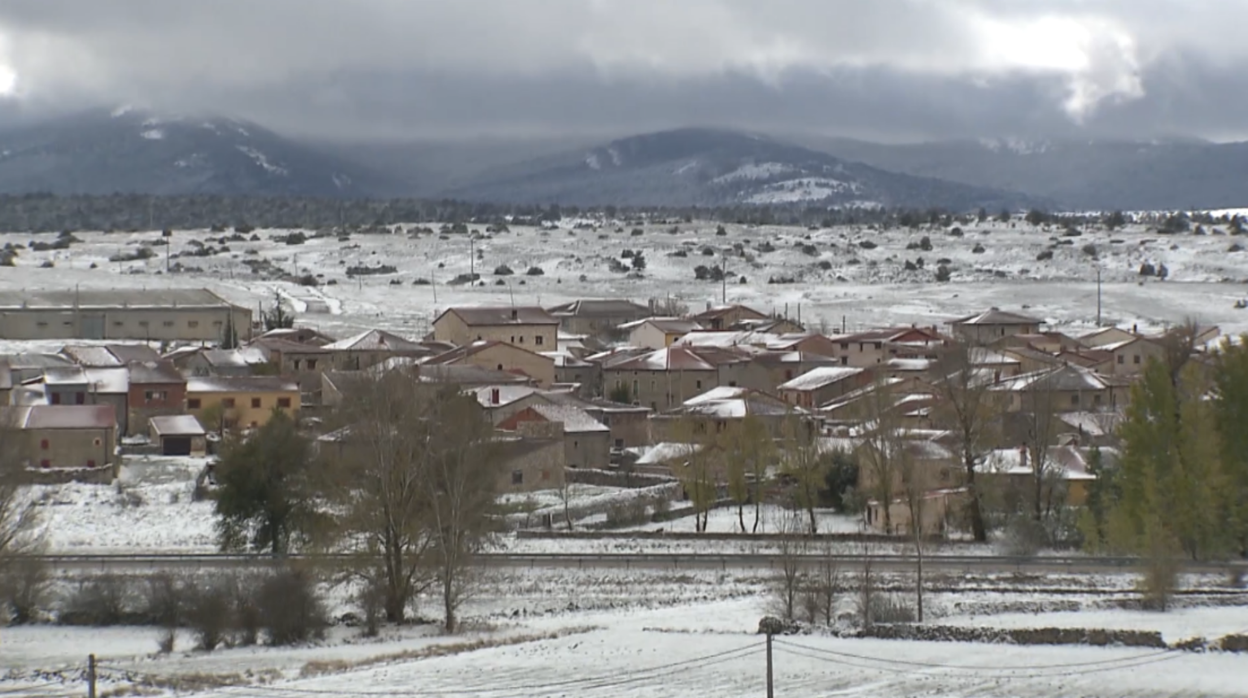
[(136, 151)]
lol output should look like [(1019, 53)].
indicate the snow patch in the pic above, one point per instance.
[(762, 170), (593, 162), (615, 157), (122, 110), (804, 189), (262, 160), (685, 167), (153, 134)]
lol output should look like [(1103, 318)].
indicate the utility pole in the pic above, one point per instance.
[(723, 278), (769, 626), (1098, 296), (91, 675), (472, 261)]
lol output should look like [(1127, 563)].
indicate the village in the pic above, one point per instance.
[(609, 392)]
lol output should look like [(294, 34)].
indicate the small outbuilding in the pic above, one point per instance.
[(179, 435)]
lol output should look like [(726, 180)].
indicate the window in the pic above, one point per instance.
[(296, 364), (41, 324), (522, 339), (732, 384), (117, 323), (55, 398), (91, 463), (538, 340), (546, 474), (97, 442), (619, 443), (879, 345), (1122, 359), (192, 403), (1096, 400), (67, 323), (43, 445), (283, 402), (155, 396), (255, 403), (45, 463), (699, 384), (513, 339), (80, 398), (844, 360), (311, 364), (167, 323), (142, 323), (517, 477), (1136, 359), (1074, 400), (500, 367), (788, 375), (227, 402), (845, 345), (192, 323)]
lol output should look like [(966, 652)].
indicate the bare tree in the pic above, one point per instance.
[(466, 468), (748, 449), (697, 474), (380, 457), (969, 409), (914, 490), (804, 464), (788, 586), (822, 587), (20, 534), (1040, 424), (882, 440)]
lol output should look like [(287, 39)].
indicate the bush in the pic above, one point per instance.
[(1044, 256), (308, 280), (1089, 249), (98, 601), (889, 609), (867, 245), (165, 605), (291, 609), (1023, 537), (943, 274), (23, 591), (212, 612), (534, 271), (977, 249), (503, 270), (925, 244), (630, 513)]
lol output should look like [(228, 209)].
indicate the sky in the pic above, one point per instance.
[(889, 70)]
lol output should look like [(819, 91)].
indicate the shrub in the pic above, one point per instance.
[(925, 244), (534, 271), (1089, 249), (721, 231), (98, 601), (503, 270), (636, 232), (678, 253), (867, 245), (23, 590), (1147, 269), (308, 280), (890, 608), (1044, 256), (943, 274), (212, 612), (977, 249), (810, 250), (291, 609), (825, 265)]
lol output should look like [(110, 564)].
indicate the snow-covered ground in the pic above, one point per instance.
[(705, 648), (836, 279)]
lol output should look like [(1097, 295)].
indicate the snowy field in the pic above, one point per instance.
[(705, 648), (836, 279)]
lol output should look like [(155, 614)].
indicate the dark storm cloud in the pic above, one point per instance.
[(891, 69)]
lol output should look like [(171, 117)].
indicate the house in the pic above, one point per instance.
[(993, 324), (468, 375), (587, 442), (6, 383), (235, 363), (629, 424), (1097, 360), (179, 435), (1066, 388), (933, 464), (822, 385), (667, 377), (109, 355), (25, 366), (569, 370), (1108, 335), (910, 395), (1065, 482), (232, 403), (874, 347), (157, 389), (1029, 358), (1047, 342), (533, 459), (714, 410), (939, 511), (368, 349), (727, 316), (63, 436), (1131, 356), (597, 318), (528, 328), (658, 332), (500, 356), (768, 370)]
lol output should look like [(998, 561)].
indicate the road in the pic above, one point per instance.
[(656, 561)]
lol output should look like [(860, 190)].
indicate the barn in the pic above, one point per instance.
[(179, 435)]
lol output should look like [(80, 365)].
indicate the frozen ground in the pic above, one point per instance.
[(697, 649), (860, 287)]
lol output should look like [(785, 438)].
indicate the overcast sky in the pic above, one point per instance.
[(881, 69)]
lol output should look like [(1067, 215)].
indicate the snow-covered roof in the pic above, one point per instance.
[(707, 338), (1062, 378), (996, 316), (680, 359), (574, 419), (490, 316), (91, 356), (728, 402), (666, 451), (61, 416), (667, 325), (240, 384), (377, 340), (1067, 461), (821, 377), (235, 358), (918, 365), (178, 425), (506, 394), (67, 375), (108, 381)]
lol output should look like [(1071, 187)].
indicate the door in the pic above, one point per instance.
[(176, 446)]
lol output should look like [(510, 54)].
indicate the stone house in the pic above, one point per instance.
[(533, 329), (768, 370), (874, 347), (1130, 357), (500, 356), (299, 335), (587, 442), (822, 385), (157, 389), (658, 332), (235, 363), (1066, 388), (714, 410), (666, 378), (629, 424), (365, 350), (240, 403), (63, 436), (993, 324), (1107, 335), (939, 511), (500, 402), (534, 459), (598, 318), (586, 375)]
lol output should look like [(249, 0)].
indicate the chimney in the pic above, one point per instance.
[(708, 305), (1022, 455), (1135, 329), (514, 314), (495, 398)]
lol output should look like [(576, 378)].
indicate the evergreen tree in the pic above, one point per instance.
[(1230, 407), (266, 496)]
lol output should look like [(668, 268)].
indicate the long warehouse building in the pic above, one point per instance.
[(165, 315)]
